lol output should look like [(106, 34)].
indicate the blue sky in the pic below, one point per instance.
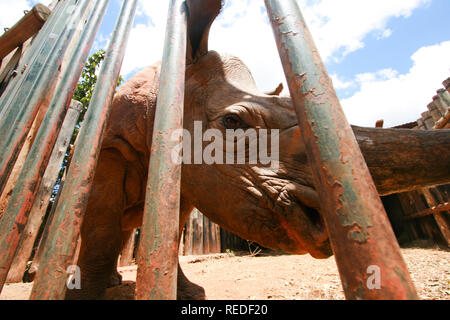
[(428, 25), (387, 58)]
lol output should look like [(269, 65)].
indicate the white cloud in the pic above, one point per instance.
[(399, 98), (244, 31), (341, 26), (146, 42), (340, 84), (11, 12), (338, 28)]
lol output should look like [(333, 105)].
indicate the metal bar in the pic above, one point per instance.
[(64, 229), (43, 195), (158, 249), (32, 51), (46, 36), (361, 236), (37, 89), (15, 218)]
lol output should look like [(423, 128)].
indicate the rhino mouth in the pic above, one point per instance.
[(300, 217)]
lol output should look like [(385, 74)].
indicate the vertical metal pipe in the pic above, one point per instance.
[(44, 43), (64, 228), (60, 13), (362, 239), (37, 88), (158, 249), (15, 217)]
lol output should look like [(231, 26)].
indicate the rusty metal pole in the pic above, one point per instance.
[(44, 45), (15, 218), (59, 13), (64, 229), (35, 91), (158, 248), (362, 239)]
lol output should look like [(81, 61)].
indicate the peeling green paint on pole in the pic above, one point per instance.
[(360, 233)]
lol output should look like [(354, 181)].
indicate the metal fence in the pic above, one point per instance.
[(359, 230)]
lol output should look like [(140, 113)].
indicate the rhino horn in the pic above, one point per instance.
[(201, 15)]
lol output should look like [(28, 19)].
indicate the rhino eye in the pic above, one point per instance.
[(232, 121)]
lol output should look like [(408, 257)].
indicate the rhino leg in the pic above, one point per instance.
[(187, 290), (101, 233)]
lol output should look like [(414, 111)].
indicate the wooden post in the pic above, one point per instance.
[(438, 217), (408, 212), (27, 27), (206, 234), (10, 71), (419, 203), (434, 111), (420, 124), (197, 240), (44, 194), (441, 103), (181, 246), (445, 97), (428, 120), (126, 257), (217, 240), (446, 84), (188, 236), (379, 124)]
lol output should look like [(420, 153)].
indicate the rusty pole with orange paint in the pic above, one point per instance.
[(15, 218), (64, 229), (364, 245), (36, 88), (158, 248)]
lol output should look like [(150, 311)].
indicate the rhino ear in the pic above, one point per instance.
[(201, 15), (277, 91)]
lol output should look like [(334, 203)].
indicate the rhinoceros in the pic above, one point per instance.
[(279, 209)]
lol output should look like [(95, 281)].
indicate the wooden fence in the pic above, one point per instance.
[(424, 214)]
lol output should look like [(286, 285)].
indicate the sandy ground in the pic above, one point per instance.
[(282, 277)]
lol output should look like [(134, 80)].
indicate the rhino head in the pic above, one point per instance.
[(279, 207)]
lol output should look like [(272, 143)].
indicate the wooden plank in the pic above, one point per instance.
[(438, 210), (216, 238), (379, 124), (434, 111), (445, 207), (188, 236), (419, 204), (443, 122), (420, 124), (126, 257), (181, 245), (428, 120), (440, 104), (10, 71), (446, 84), (27, 27), (197, 233), (407, 212), (206, 234), (443, 224)]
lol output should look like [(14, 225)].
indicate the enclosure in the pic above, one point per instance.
[(43, 58)]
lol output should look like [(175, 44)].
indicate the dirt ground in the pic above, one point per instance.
[(239, 276)]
